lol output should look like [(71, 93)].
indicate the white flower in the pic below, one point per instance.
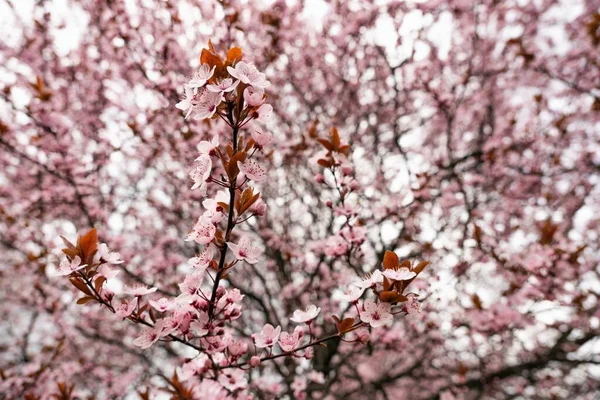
[(375, 278), (353, 293), (206, 103), (206, 147), (149, 335), (254, 96), (186, 104), (201, 172), (244, 250), (223, 86), (249, 74), (307, 315), (201, 77), (66, 267), (202, 260), (376, 314), (264, 112), (267, 337), (400, 274), (252, 170), (260, 137), (163, 304), (139, 290), (203, 232), (107, 255)]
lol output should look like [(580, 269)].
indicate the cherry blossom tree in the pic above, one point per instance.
[(352, 199)]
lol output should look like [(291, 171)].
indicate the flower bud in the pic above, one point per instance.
[(319, 178), (220, 292), (329, 203), (254, 361), (309, 353)]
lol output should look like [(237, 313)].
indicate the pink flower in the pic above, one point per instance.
[(371, 280), (107, 272), (336, 246), (191, 284), (252, 170), (201, 77), (264, 112), (139, 290), (203, 232), (149, 335), (186, 103), (206, 147), (307, 315), (200, 326), (260, 137), (107, 255), (354, 234), (249, 74), (353, 293), (254, 361), (223, 86), (289, 342), (376, 314), (67, 267), (196, 366), (205, 104), (400, 274), (163, 304), (254, 97), (412, 305), (243, 250), (202, 260), (238, 348), (201, 172), (233, 379), (267, 337), (124, 309)]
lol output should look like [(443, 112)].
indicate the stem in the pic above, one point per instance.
[(230, 222)]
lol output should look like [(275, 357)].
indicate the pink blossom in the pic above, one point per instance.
[(267, 337), (412, 305), (223, 86), (186, 104), (163, 304), (288, 341), (107, 255), (238, 348), (371, 280), (149, 335), (203, 232), (252, 170), (125, 308), (336, 246), (107, 272), (205, 104), (254, 361), (400, 274), (197, 366), (253, 96), (233, 379), (206, 147), (307, 315), (249, 74), (260, 136), (200, 326), (376, 314), (244, 250), (202, 260), (354, 234), (192, 283), (200, 78), (353, 293), (264, 112), (201, 172), (67, 267), (139, 290)]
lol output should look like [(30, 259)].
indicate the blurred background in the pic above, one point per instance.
[(475, 133)]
